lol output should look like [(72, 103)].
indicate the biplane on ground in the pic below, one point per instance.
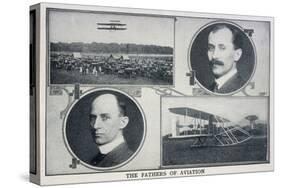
[(206, 129)]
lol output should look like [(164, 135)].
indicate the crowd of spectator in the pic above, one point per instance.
[(125, 66)]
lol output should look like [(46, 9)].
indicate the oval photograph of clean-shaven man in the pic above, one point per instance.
[(105, 129), (223, 58)]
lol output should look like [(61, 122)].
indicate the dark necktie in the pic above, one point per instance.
[(98, 158), (216, 87)]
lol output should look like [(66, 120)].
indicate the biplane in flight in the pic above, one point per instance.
[(206, 129), (112, 25)]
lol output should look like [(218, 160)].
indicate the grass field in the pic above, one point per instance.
[(179, 152), (65, 77)]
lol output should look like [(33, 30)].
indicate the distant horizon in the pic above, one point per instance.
[(113, 43), (113, 47)]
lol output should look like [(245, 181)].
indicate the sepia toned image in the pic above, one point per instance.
[(203, 132), (110, 49)]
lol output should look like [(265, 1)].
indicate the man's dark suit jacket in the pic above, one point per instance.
[(233, 84), (117, 156)]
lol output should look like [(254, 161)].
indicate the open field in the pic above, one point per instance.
[(65, 77), (179, 152)]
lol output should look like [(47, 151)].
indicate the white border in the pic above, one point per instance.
[(100, 177), (105, 169), (254, 50)]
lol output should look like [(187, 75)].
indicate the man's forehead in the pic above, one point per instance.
[(106, 103), (223, 35)]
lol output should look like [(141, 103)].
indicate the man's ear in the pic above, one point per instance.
[(238, 54), (124, 122)]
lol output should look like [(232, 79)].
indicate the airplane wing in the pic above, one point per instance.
[(185, 111)]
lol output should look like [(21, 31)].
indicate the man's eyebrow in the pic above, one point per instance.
[(105, 114), (211, 45), (221, 45)]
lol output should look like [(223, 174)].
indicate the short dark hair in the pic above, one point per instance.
[(237, 38), (121, 106)]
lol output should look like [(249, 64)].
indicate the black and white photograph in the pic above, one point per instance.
[(203, 132), (105, 129), (140, 94), (110, 49), (223, 56), (134, 94)]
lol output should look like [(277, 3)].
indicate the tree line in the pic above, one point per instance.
[(110, 48)]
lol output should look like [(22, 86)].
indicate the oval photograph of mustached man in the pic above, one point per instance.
[(105, 129), (223, 57)]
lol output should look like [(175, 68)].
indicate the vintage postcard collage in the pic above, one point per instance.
[(124, 94)]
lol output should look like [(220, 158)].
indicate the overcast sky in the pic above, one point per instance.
[(82, 27)]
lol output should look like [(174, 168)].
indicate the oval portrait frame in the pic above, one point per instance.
[(91, 92), (203, 28)]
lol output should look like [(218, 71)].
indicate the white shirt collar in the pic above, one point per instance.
[(222, 80), (106, 148)]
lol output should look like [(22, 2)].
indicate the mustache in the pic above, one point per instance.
[(93, 132), (216, 62)]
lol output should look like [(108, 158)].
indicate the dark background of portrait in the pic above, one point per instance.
[(200, 63), (78, 132)]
